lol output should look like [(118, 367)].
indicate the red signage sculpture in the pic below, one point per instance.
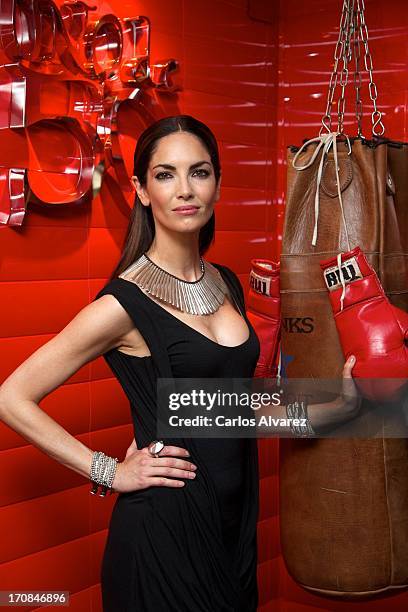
[(64, 71)]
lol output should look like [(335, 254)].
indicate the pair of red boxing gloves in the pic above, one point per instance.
[(369, 327)]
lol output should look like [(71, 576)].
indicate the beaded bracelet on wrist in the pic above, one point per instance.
[(299, 411), (103, 470)]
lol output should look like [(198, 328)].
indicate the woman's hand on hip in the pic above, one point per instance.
[(132, 448), (140, 470)]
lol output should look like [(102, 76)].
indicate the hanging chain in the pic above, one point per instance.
[(357, 74), (347, 50), (368, 63), (352, 32), (338, 54)]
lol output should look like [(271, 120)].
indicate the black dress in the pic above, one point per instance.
[(188, 549)]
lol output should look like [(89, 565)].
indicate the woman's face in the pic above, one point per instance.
[(180, 183)]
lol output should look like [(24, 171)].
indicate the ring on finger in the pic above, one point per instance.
[(155, 447)]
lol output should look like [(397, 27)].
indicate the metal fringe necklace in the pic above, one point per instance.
[(200, 297)]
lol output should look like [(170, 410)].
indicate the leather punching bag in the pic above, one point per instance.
[(344, 502)]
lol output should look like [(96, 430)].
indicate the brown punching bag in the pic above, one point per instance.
[(343, 502)]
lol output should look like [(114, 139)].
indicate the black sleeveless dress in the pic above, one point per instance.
[(189, 549)]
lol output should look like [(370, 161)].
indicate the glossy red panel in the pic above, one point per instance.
[(108, 405), (21, 466), (260, 84), (52, 568), (251, 245), (243, 165), (21, 539), (67, 216), (268, 581), (231, 120), (268, 456), (52, 304), (268, 539), (269, 498), (104, 246), (49, 253), (240, 66), (219, 21), (100, 369), (241, 209), (167, 17)]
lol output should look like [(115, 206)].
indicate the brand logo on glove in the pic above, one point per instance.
[(260, 284), (298, 325), (350, 272)]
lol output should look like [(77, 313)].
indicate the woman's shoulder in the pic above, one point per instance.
[(224, 268), (113, 286), (230, 276), (125, 291)]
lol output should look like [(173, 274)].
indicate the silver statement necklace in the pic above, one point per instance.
[(200, 297)]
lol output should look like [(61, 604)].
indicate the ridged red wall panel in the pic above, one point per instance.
[(52, 530), (260, 86)]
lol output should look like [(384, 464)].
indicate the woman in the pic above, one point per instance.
[(182, 535)]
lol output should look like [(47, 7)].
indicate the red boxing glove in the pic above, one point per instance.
[(369, 327), (263, 311)]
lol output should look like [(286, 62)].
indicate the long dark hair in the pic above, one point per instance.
[(141, 230)]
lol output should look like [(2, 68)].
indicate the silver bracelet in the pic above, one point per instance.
[(299, 411), (103, 470)]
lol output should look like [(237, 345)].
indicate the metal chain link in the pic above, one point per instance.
[(338, 54), (352, 32), (347, 50), (357, 74), (368, 63)]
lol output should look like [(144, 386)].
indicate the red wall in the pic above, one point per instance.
[(257, 86), (52, 531)]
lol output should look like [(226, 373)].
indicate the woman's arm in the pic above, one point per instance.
[(321, 416), (96, 329), (344, 408)]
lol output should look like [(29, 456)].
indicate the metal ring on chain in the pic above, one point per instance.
[(353, 34)]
